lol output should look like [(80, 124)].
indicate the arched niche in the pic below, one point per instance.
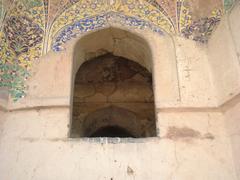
[(155, 53), (52, 80), (152, 51), (120, 44)]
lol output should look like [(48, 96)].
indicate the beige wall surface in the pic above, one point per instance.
[(223, 54), (232, 118), (34, 145), (234, 26), (224, 59), (232, 115), (195, 85)]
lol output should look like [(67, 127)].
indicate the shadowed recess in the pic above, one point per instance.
[(113, 97), (111, 131)]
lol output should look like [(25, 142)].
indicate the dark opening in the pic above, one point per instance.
[(111, 131), (113, 97)]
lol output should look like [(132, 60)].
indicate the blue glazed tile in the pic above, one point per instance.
[(98, 22)]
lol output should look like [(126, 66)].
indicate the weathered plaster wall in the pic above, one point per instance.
[(190, 138), (234, 26), (232, 121), (223, 49), (232, 115), (194, 80), (224, 63), (34, 145), (2, 118), (196, 140)]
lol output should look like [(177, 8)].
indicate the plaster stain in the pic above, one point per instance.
[(208, 136), (130, 171), (175, 133)]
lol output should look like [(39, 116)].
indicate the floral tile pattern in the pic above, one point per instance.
[(99, 22), (31, 28)]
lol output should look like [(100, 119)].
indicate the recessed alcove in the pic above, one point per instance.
[(122, 71), (113, 97)]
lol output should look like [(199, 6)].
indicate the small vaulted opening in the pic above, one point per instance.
[(113, 97), (112, 86)]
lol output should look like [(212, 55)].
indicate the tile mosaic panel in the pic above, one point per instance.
[(21, 43), (12, 75), (55, 7), (168, 8), (24, 30), (29, 28), (99, 22), (159, 13), (133, 8), (202, 29)]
